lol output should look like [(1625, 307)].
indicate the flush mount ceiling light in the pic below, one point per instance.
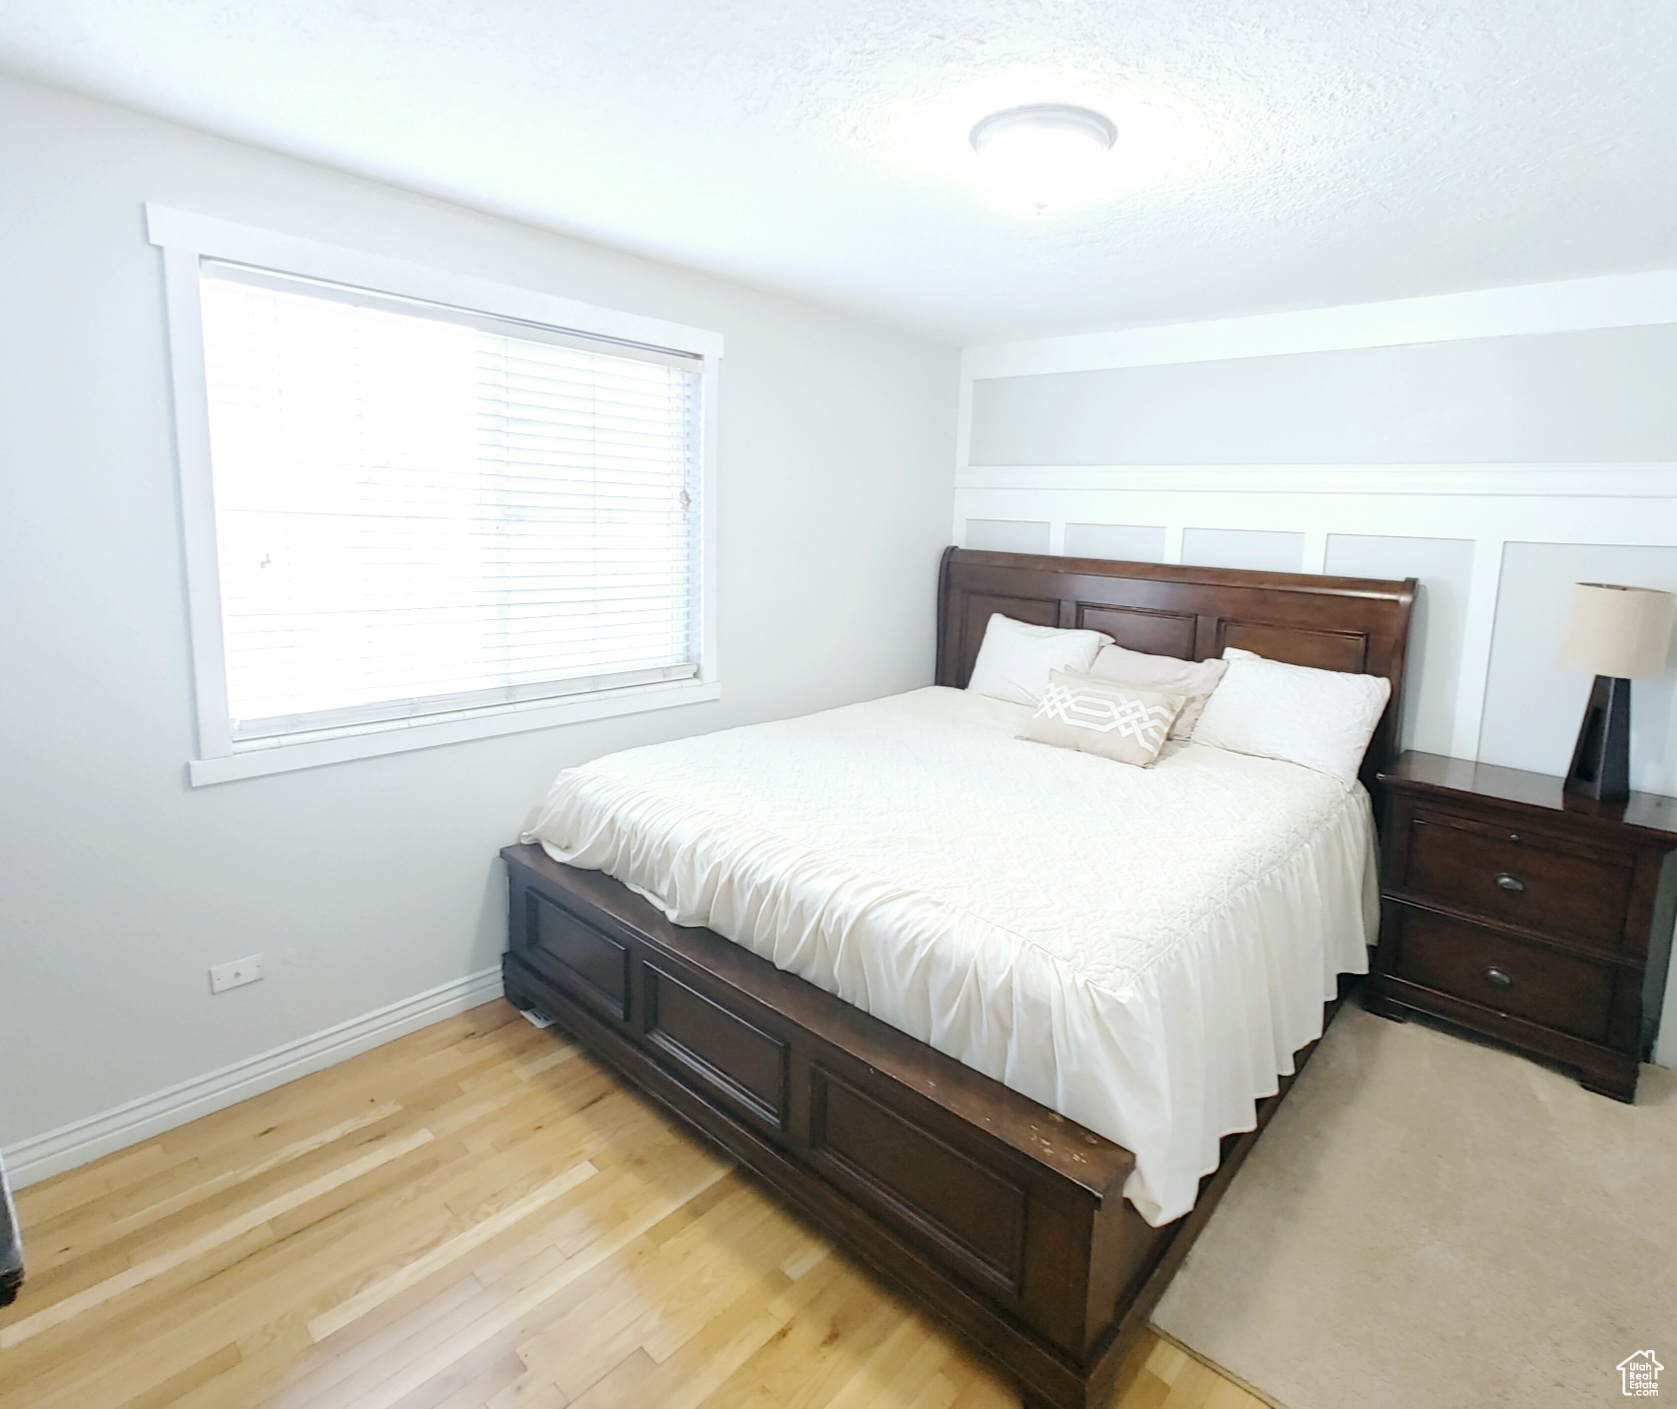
[(1045, 152)]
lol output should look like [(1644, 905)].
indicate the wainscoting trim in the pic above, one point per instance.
[(1631, 507), (81, 1141)]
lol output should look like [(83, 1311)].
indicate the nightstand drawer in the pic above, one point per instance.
[(1508, 975), (1525, 880)]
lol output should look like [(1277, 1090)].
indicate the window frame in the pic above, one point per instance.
[(186, 239)]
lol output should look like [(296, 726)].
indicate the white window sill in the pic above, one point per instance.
[(279, 756)]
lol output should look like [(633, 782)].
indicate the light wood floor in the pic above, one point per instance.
[(473, 1217)]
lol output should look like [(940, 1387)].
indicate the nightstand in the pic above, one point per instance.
[(1535, 918)]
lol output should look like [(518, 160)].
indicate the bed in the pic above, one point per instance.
[(1035, 1189)]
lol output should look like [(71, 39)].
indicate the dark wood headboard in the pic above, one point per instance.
[(1333, 623)]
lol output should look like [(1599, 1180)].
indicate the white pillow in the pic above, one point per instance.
[(1194, 679), (1015, 658), (1322, 719)]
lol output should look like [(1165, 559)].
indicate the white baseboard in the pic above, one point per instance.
[(81, 1141)]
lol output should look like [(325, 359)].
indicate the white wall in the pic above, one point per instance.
[(1598, 395), (370, 881), (1497, 445)]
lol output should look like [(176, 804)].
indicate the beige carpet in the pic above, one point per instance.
[(1431, 1222)]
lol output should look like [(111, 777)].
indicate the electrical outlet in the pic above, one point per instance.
[(236, 974)]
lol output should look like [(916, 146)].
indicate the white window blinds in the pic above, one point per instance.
[(421, 510)]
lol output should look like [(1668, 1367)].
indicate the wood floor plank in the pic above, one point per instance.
[(969, 1384), (1147, 1392), (533, 1394), (247, 1222), (476, 1216), (331, 1372), (51, 1197), (658, 1300), (805, 1363), (1224, 1395), (164, 1216), (475, 1378), (213, 1368), (695, 1371), (900, 1368), (329, 1322), (409, 1377), (1193, 1385), (144, 1205)]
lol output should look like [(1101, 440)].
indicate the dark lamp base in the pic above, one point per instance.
[(1601, 762)]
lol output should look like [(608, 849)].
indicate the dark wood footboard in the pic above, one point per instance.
[(1002, 1217)]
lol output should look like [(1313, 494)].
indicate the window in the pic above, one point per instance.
[(419, 511), (422, 508)]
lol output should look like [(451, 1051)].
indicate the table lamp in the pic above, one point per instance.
[(1618, 634)]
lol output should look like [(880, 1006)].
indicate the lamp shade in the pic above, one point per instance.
[(1620, 632)]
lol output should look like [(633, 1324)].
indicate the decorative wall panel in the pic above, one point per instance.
[(1498, 446)]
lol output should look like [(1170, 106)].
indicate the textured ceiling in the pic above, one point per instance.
[(1272, 153)]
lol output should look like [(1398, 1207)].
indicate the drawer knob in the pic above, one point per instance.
[(1510, 883), (1500, 977)]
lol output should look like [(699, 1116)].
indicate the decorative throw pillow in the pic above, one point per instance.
[(1321, 719), (1015, 658), (1194, 679), (1097, 716)]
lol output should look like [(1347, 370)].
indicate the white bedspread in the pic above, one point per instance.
[(1141, 950)]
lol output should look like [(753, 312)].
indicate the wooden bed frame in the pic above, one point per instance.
[(1002, 1217)]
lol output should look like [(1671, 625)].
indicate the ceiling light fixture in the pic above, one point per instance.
[(1044, 152)]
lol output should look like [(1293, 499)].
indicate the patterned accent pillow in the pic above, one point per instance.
[(1096, 716)]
